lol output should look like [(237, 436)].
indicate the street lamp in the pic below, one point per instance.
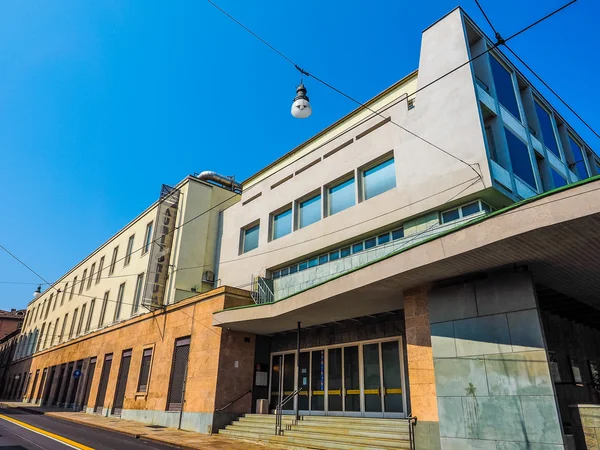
[(301, 107), (37, 292)]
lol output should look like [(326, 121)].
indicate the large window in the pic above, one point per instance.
[(578, 163), (505, 89), (103, 309), (147, 238), (80, 324), (73, 289), (100, 267), (250, 238), (73, 322), (547, 129), (129, 249), (138, 293), (309, 211), (341, 196), (82, 281), (62, 298), (119, 302), (378, 179), (92, 270), (113, 261), (558, 179), (282, 223), (145, 370), (519, 157), (62, 330), (88, 324)]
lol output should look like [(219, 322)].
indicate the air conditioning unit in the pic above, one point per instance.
[(208, 276)]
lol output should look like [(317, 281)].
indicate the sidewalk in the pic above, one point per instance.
[(170, 436)]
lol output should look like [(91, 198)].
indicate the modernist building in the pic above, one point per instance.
[(436, 261)]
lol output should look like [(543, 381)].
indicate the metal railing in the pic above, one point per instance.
[(412, 421), (279, 411), (262, 290), (233, 401)]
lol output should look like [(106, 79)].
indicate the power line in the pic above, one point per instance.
[(487, 18)]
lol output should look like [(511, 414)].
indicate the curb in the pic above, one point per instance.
[(22, 408)]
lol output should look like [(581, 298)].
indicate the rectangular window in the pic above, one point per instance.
[(303, 265), (145, 370), (345, 252), (62, 299), (100, 267), (357, 248), (147, 238), (88, 323), (470, 209), (92, 270), (449, 216), (63, 328), (113, 261), (334, 255), (294, 268), (282, 223), (370, 243), (489, 134), (383, 238), (341, 196), (80, 324), (309, 211), (48, 308), (120, 295), (73, 322), (578, 163), (73, 289), (558, 179), (129, 249), (379, 179), (519, 158), (548, 135), (322, 259), (313, 262), (250, 238), (138, 293), (505, 89), (82, 281), (103, 309), (56, 335)]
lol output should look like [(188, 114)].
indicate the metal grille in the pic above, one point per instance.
[(35, 379), (178, 374), (67, 379), (145, 370), (61, 374), (122, 382), (103, 383), (46, 396), (88, 381), (39, 393)]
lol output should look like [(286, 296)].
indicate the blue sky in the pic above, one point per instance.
[(103, 101)]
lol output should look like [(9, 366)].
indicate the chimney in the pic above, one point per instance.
[(13, 310)]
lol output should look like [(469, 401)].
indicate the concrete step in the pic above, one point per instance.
[(391, 428), (250, 426), (331, 420), (395, 442), (248, 438), (370, 432)]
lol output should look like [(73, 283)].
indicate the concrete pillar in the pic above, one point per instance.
[(421, 374)]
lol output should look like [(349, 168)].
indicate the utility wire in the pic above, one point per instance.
[(486, 18)]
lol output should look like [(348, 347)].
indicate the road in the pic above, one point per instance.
[(20, 430)]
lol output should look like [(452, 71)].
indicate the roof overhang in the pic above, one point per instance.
[(556, 235)]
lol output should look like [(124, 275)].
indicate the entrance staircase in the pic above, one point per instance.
[(322, 432)]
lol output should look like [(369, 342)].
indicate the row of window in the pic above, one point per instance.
[(39, 312), (448, 216), (373, 179), (50, 337)]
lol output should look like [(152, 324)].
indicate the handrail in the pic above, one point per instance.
[(412, 421), (279, 410), (232, 402)]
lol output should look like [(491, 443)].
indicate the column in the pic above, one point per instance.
[(63, 386), (78, 406), (70, 384), (421, 375), (54, 387)]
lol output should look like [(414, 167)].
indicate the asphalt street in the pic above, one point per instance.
[(21, 430)]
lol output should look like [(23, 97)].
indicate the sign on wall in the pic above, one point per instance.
[(160, 249)]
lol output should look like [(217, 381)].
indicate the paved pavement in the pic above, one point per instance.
[(59, 430)]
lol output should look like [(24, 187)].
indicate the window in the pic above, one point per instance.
[(100, 267), (322, 260), (370, 243), (138, 293), (383, 239), (147, 238), (73, 289), (62, 330), (309, 211), (62, 299), (345, 252), (303, 265), (72, 329), (379, 179), (48, 308), (519, 157), (334, 255), (145, 370), (505, 89), (557, 179), (80, 324), (357, 248), (88, 323), (341, 196), (250, 238), (178, 371), (547, 129), (397, 234), (129, 249), (103, 309), (113, 261), (313, 262), (82, 281), (39, 342), (449, 216), (489, 134), (282, 223), (578, 163), (56, 335), (470, 209), (89, 284), (119, 302)]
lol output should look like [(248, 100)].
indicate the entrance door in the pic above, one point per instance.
[(103, 383), (121, 383), (283, 381)]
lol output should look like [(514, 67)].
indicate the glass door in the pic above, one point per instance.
[(303, 382), (317, 382), (351, 381), (289, 381), (334, 381), (372, 380), (276, 373)]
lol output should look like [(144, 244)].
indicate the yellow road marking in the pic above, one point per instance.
[(56, 437)]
